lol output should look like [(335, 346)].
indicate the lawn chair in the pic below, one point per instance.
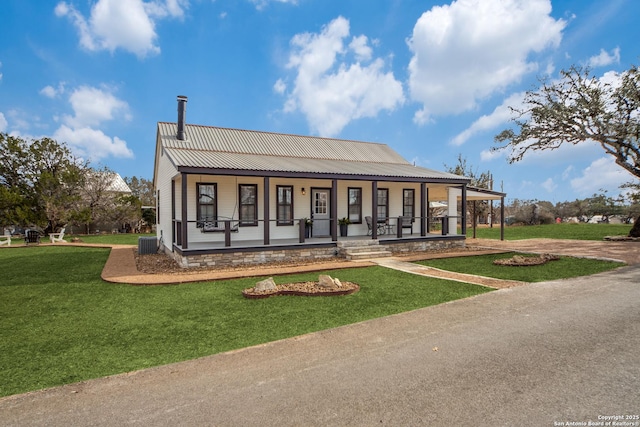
[(57, 237), (31, 236), (6, 237)]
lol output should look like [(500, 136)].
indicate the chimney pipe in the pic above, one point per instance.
[(182, 110)]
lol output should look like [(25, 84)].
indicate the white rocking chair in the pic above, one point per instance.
[(57, 237), (6, 237)]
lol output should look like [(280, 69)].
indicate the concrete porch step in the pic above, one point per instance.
[(350, 256)]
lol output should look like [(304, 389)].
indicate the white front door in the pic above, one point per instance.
[(320, 210)]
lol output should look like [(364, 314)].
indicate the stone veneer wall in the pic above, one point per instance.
[(424, 245), (229, 259)]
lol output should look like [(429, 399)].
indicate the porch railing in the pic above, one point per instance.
[(391, 227)]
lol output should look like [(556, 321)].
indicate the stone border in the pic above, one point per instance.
[(353, 290)]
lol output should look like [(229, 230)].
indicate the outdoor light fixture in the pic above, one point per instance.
[(303, 191)]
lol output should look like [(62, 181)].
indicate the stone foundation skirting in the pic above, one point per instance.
[(423, 245), (230, 259), (253, 257)]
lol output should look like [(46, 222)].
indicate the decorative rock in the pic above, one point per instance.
[(337, 282), (325, 281), (265, 285)]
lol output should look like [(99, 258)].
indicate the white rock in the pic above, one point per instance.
[(265, 285)]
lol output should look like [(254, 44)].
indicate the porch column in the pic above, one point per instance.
[(424, 203), (501, 218), (267, 219), (374, 209), (185, 237), (463, 224), (452, 209), (173, 212), (334, 210)]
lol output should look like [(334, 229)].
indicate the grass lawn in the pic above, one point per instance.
[(563, 268), (60, 323), (110, 239), (553, 231)]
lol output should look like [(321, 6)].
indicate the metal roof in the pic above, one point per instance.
[(208, 147)]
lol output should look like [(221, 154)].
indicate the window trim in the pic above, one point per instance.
[(199, 220), (254, 222), (280, 221), (349, 205), (413, 203), (386, 205)]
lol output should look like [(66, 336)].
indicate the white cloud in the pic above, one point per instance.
[(91, 143), (3, 123), (121, 24), (51, 92), (261, 4), (549, 185), (500, 116), (604, 58), (330, 88), (280, 86), (488, 155), (602, 173), (92, 106), (468, 50)]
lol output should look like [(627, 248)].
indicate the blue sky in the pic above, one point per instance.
[(432, 79)]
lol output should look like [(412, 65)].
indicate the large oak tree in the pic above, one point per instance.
[(577, 108)]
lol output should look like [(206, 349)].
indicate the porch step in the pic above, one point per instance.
[(366, 255), (354, 250)]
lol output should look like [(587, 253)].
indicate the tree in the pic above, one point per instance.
[(39, 182), (579, 108)]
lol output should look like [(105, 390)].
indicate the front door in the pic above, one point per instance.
[(320, 212)]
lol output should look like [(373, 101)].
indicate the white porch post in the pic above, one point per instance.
[(452, 209)]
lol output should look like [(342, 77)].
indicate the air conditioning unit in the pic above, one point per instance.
[(147, 245)]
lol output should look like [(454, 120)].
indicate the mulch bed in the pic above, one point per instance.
[(525, 261), (308, 289)]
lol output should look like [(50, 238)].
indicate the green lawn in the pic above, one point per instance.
[(563, 268), (553, 231), (59, 323), (110, 239)]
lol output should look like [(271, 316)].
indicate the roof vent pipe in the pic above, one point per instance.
[(182, 111)]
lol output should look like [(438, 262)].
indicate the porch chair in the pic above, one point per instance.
[(31, 236), (381, 226), (407, 222), (57, 237), (6, 237)]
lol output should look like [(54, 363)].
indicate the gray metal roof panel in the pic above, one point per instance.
[(210, 138), (209, 147), (256, 162)]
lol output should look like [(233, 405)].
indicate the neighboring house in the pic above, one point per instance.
[(100, 191), (229, 196)]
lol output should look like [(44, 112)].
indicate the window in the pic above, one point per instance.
[(285, 205), (207, 203), (408, 203), (355, 205), (248, 204), (383, 204)]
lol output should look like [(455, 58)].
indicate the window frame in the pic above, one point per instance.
[(279, 204), (378, 205), (359, 204), (254, 221), (413, 203), (199, 219)]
